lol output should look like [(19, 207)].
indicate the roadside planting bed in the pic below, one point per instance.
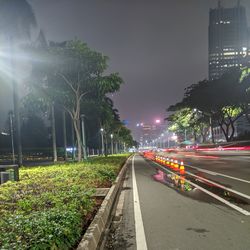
[(50, 205)]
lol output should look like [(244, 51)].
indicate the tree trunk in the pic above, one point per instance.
[(78, 138), (224, 132), (106, 146), (53, 131), (233, 130), (84, 147)]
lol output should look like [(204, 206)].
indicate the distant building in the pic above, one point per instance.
[(229, 46), (228, 39), (146, 133)]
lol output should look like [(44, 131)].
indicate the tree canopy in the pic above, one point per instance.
[(223, 100), (74, 76)]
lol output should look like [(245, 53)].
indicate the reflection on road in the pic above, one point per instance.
[(173, 174)]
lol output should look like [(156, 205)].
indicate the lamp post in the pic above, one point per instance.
[(83, 139), (12, 137), (112, 146), (162, 139), (12, 145), (102, 131)]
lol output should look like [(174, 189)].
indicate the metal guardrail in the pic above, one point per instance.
[(15, 169)]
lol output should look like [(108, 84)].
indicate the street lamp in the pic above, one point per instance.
[(168, 139), (12, 145), (162, 139), (11, 136), (112, 146), (102, 131), (83, 138)]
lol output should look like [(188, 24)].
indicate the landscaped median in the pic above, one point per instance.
[(50, 206)]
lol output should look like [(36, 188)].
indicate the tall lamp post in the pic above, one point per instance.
[(83, 139), (102, 132), (112, 146), (162, 140), (168, 139), (12, 137), (12, 145)]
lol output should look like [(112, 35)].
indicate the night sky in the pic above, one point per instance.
[(159, 47)]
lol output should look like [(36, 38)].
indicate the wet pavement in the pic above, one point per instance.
[(177, 216)]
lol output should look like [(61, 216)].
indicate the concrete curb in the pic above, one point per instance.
[(94, 233)]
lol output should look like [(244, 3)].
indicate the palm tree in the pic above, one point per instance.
[(16, 20)]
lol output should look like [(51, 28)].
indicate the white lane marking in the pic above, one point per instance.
[(239, 209), (219, 185), (139, 228), (215, 173)]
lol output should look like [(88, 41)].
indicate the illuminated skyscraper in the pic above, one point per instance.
[(228, 39)]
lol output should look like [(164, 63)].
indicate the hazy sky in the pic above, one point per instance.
[(159, 47)]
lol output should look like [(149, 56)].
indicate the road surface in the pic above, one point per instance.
[(158, 216)]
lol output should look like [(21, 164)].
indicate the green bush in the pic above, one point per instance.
[(47, 208), (51, 229)]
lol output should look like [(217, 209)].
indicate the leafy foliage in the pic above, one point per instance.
[(48, 207), (73, 76), (223, 100)]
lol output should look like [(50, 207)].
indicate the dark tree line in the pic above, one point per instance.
[(219, 102)]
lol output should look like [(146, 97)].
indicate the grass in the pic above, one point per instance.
[(49, 206)]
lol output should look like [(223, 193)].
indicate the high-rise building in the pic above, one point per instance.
[(228, 39)]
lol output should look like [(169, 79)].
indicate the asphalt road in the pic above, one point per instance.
[(161, 217), (232, 171)]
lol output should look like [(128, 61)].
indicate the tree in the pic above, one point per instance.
[(188, 123), (224, 100), (72, 73), (16, 20)]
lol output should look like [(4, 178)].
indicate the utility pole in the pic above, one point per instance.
[(83, 138), (16, 106), (53, 127), (73, 140), (64, 135), (12, 137)]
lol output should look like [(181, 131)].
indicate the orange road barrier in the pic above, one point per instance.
[(172, 163), (176, 165), (167, 162), (162, 160), (182, 168)]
